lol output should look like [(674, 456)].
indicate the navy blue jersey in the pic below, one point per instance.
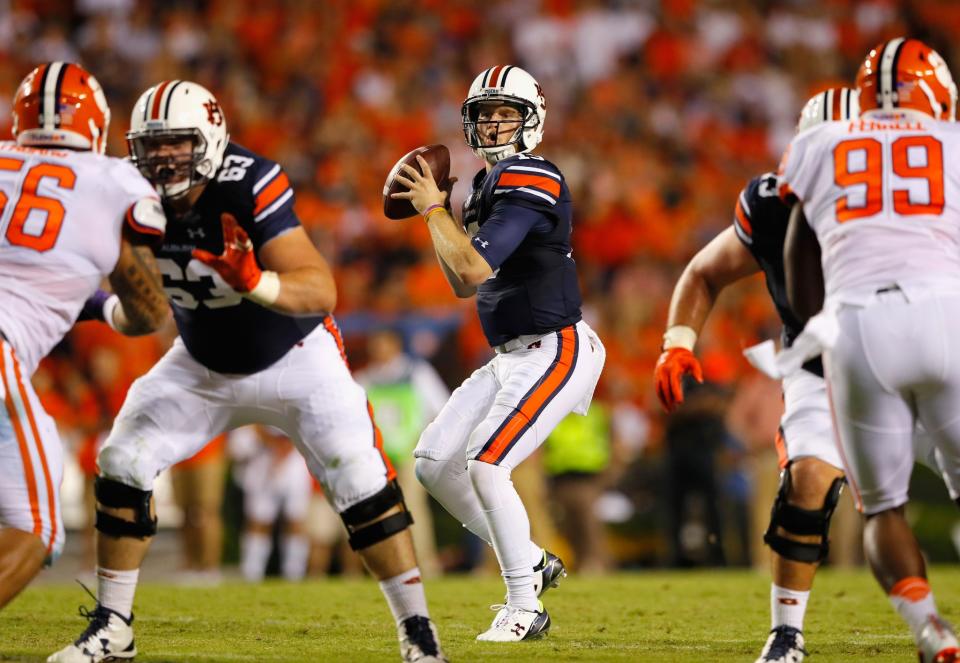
[(222, 330), (520, 217), (760, 220)]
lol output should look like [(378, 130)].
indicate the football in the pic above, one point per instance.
[(437, 157)]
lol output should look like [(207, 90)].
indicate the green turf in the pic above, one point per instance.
[(650, 616)]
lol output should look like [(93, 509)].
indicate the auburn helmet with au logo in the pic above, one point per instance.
[(60, 104), (906, 73), (176, 111)]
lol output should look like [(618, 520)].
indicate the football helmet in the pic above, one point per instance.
[(60, 104), (511, 86), (832, 105), (171, 113), (906, 73)]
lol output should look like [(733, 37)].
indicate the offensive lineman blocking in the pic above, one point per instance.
[(251, 297), (69, 216), (516, 257)]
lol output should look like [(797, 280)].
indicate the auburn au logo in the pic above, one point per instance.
[(214, 114)]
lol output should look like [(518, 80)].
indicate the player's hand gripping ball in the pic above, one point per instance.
[(411, 183)]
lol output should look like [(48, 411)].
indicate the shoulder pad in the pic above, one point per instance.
[(526, 178)]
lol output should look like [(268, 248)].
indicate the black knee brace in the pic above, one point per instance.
[(801, 522), (365, 535), (119, 496)]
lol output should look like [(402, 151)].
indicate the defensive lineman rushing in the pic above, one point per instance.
[(882, 198), (516, 257), (69, 216), (251, 297)]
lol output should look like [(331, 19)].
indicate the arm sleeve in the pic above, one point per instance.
[(505, 228), (273, 201), (742, 222)]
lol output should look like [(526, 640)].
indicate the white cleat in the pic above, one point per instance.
[(108, 637), (938, 642), (419, 641), (785, 645), (515, 624)]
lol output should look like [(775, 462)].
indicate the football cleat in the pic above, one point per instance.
[(108, 637), (419, 641), (938, 643), (548, 573), (515, 624), (785, 645)]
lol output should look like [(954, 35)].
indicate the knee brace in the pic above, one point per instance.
[(801, 522), (363, 533), (119, 496)]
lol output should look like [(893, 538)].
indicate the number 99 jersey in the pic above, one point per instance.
[(876, 192), (222, 330)]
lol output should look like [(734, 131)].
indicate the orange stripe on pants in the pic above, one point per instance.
[(47, 479), (378, 443), (22, 444), (516, 424)]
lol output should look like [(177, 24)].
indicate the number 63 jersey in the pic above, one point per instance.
[(61, 216), (222, 330), (882, 194)]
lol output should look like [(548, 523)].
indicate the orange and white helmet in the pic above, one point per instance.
[(832, 105), (511, 86), (178, 111), (60, 104), (906, 73)]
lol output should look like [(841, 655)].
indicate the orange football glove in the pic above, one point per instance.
[(668, 375), (237, 264)]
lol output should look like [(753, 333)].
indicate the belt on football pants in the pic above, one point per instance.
[(528, 341)]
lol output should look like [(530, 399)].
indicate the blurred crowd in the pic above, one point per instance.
[(658, 112)]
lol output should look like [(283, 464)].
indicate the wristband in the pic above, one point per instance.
[(109, 306), (267, 289), (680, 336), (436, 207)]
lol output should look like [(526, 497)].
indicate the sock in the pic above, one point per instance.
[(509, 528), (405, 596), (296, 549), (913, 600), (255, 552), (115, 589), (445, 481), (787, 606)]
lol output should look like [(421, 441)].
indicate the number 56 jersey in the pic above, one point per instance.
[(61, 215), (882, 194)]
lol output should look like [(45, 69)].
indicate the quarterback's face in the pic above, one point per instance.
[(497, 123)]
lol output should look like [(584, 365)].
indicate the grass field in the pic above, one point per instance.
[(649, 616)]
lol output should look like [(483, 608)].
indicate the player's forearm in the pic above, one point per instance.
[(304, 291), (141, 307), (454, 249), (693, 299), (460, 288)]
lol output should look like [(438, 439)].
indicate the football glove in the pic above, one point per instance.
[(668, 375), (237, 264)]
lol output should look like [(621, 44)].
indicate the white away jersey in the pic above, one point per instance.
[(883, 197), (61, 214)]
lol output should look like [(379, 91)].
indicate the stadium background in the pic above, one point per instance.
[(658, 113)]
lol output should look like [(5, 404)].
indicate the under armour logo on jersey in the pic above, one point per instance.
[(482, 242), (214, 114), (195, 232)]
